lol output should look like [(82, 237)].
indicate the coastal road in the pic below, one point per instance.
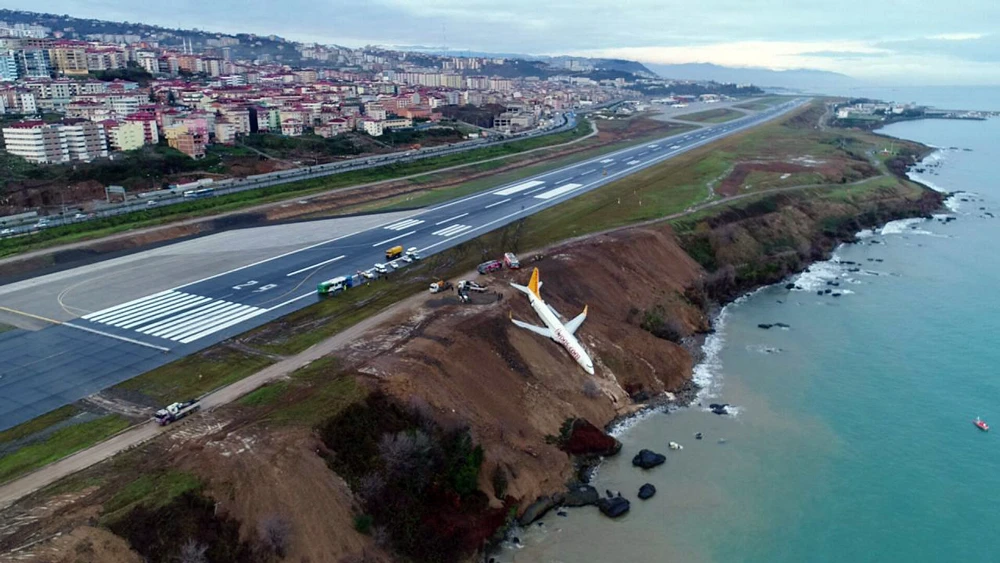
[(90, 348)]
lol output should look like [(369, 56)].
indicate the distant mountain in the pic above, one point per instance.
[(798, 79)]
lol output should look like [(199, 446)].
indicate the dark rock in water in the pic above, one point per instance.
[(562, 513), (608, 492), (963, 199), (849, 262), (854, 269), (764, 326), (646, 491), (789, 286), (870, 259), (698, 436), (782, 325), (820, 292), (585, 439), (719, 408), (515, 540), (613, 507), (828, 291), (982, 209), (538, 509), (780, 301), (878, 260), (647, 459), (836, 294)]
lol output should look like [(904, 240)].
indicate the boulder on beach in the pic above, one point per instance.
[(648, 459), (613, 507), (581, 495), (646, 491), (585, 439), (538, 509)]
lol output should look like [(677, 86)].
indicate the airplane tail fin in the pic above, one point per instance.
[(533, 286)]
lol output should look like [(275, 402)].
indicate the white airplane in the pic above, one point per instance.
[(554, 328)]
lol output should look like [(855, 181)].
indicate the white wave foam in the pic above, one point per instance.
[(705, 373), (762, 349), (816, 276), (900, 226)]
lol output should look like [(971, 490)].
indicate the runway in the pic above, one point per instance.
[(135, 320)]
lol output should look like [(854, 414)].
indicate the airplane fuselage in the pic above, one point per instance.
[(561, 335)]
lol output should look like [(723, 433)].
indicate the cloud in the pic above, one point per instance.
[(957, 36), (846, 54)]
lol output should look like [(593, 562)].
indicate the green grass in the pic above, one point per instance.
[(720, 115), (153, 490), (160, 215), (38, 424), (265, 395), (59, 445), (312, 394), (6, 327), (195, 375)]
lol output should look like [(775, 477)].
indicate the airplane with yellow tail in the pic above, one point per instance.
[(554, 328)]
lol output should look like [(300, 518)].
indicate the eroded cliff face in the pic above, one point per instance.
[(514, 388)]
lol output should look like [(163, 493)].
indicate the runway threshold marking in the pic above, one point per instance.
[(30, 315)]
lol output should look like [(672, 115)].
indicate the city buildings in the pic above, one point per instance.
[(49, 143)]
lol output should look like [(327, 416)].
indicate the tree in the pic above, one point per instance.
[(274, 532), (193, 552)]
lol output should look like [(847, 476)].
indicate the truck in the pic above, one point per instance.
[(511, 261), (334, 285), (394, 252), (466, 285), (176, 411), (439, 286), (491, 266)]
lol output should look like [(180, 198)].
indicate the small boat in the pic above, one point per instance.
[(981, 424)]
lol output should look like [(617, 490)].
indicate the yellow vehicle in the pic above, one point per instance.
[(394, 252)]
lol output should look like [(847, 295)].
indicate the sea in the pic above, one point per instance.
[(852, 437)]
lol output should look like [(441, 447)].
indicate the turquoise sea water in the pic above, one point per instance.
[(853, 439)]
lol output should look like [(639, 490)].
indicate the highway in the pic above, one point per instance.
[(48, 368)]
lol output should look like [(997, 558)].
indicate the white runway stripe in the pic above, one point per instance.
[(449, 231), (558, 191), (455, 218), (518, 188), (164, 313), (195, 325), (175, 315), (223, 326), (170, 305), (404, 224), (188, 315), (112, 311), (123, 305)]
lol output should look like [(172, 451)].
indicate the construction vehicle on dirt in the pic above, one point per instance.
[(176, 411), (439, 286), (467, 285)]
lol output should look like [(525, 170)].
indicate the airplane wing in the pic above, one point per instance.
[(536, 329), (576, 322), (554, 312)]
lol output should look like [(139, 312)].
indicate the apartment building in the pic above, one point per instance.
[(125, 135), (8, 66), (49, 143)]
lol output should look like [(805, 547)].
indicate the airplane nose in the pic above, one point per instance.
[(589, 368)]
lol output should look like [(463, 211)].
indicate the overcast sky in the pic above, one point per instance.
[(891, 41)]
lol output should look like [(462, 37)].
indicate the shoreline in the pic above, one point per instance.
[(705, 347)]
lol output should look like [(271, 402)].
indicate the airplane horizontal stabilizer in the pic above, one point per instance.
[(536, 329), (576, 322)]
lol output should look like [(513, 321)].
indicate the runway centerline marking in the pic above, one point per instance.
[(393, 238), (456, 217), (323, 263), (501, 202)]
